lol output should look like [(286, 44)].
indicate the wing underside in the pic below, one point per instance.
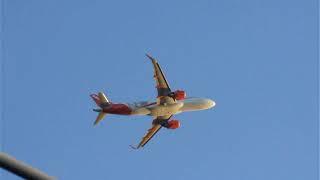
[(162, 84), (156, 126), (151, 132)]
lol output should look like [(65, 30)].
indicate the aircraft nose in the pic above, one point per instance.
[(210, 103)]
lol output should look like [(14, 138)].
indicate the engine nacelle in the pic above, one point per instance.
[(173, 124), (179, 95)]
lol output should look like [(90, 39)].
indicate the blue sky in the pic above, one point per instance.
[(257, 59)]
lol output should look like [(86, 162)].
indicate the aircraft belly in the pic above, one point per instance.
[(163, 110), (190, 107), (140, 111)]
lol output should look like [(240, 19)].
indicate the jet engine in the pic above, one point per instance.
[(173, 124), (179, 95)]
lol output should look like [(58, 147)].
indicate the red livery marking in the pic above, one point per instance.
[(121, 109), (96, 99)]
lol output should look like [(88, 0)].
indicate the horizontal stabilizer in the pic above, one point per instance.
[(100, 116)]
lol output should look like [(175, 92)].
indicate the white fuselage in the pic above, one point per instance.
[(188, 104)]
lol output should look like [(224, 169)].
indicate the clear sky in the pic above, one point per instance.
[(258, 59)]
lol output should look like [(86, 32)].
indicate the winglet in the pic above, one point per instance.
[(150, 57), (134, 147)]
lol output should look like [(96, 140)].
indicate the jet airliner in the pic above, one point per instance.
[(167, 104)]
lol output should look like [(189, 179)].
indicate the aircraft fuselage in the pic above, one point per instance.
[(154, 109)]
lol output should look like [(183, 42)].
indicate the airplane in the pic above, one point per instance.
[(167, 104)]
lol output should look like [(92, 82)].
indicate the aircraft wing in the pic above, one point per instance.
[(151, 132), (162, 85), (156, 126)]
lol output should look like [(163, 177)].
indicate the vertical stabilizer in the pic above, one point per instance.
[(103, 98), (102, 101)]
